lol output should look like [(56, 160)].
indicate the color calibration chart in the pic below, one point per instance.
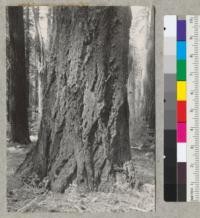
[(181, 108)]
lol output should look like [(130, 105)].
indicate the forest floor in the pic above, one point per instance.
[(26, 198)]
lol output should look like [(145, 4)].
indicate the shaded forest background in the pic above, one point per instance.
[(81, 100)]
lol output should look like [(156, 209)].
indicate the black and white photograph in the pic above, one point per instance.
[(80, 109)]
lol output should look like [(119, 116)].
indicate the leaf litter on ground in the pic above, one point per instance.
[(24, 197)]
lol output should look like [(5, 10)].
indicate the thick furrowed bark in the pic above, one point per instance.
[(84, 130)]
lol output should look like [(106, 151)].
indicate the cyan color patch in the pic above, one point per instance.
[(181, 50)]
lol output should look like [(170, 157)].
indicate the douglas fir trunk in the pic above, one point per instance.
[(84, 132)]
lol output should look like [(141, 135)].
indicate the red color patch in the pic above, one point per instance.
[(181, 112)]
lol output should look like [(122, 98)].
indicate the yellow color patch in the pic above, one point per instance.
[(181, 90)]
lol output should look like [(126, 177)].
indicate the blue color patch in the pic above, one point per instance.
[(181, 50)]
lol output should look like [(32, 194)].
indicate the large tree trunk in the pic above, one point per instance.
[(84, 132), (18, 87)]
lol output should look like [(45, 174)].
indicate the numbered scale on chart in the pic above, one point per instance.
[(193, 95)]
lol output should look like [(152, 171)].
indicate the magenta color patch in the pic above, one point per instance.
[(181, 132)]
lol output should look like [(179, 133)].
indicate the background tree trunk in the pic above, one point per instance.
[(84, 132), (27, 51), (40, 60), (150, 80), (18, 87), (141, 81)]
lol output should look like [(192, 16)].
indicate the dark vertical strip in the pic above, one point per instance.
[(18, 84), (170, 138), (181, 108), (170, 165), (170, 187)]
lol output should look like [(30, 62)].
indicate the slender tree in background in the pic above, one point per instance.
[(31, 67), (39, 59), (18, 87), (27, 47), (149, 109), (8, 69), (141, 82), (84, 132)]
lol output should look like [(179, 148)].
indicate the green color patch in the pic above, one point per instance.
[(181, 70)]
